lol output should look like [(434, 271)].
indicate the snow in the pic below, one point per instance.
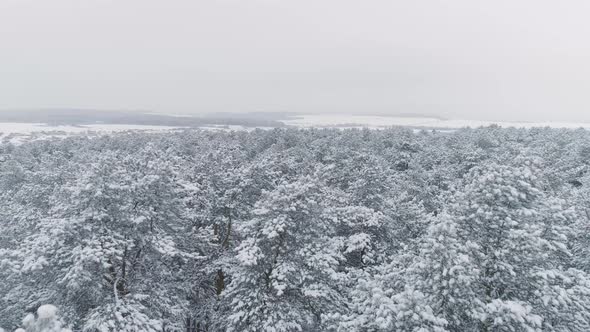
[(46, 311), (232, 128), (225, 128), (26, 128), (358, 241), (329, 120), (17, 132), (123, 127), (298, 222), (375, 122), (29, 320)]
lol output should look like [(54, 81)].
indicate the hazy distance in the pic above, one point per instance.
[(502, 60)]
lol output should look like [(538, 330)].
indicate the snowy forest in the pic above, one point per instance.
[(297, 230)]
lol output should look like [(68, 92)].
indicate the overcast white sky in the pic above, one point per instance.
[(493, 60)]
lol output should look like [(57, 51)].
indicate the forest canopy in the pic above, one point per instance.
[(299, 230)]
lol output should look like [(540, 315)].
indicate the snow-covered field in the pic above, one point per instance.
[(19, 132), (26, 128), (368, 121), (231, 128)]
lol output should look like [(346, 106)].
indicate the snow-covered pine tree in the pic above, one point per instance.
[(112, 248), (518, 249), (441, 276), (423, 290), (285, 277)]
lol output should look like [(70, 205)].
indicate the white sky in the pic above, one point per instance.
[(496, 60)]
